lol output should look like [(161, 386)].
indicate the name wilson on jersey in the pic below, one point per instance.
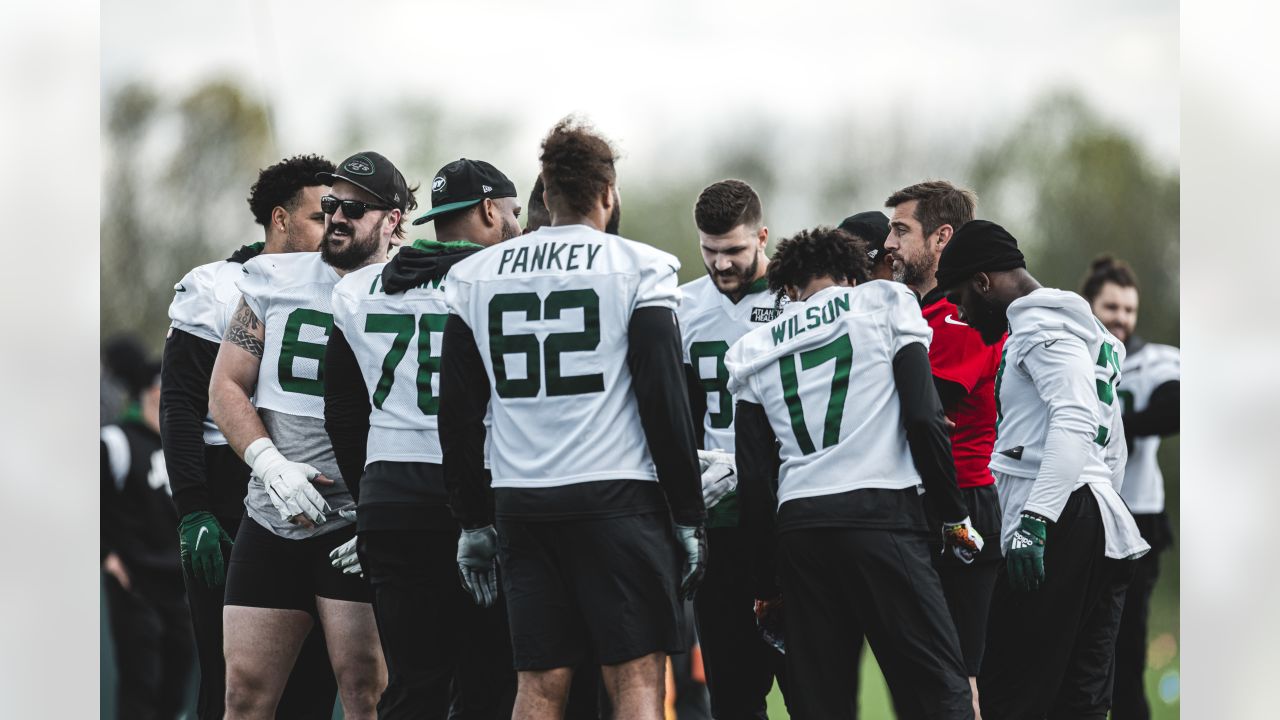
[(813, 317)]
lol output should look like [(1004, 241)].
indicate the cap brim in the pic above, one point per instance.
[(329, 178), (450, 207)]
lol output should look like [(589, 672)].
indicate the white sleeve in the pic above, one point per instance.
[(343, 307), (905, 323), (255, 285), (1064, 378), (195, 308), (118, 455), (735, 362), (658, 285), (457, 295)]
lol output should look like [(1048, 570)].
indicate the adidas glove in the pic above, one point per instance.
[(200, 540), (1026, 553), (289, 484), (962, 539), (478, 565)]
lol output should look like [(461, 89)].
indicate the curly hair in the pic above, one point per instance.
[(535, 212), (1106, 269), (725, 205), (941, 203), (577, 166), (822, 251), (279, 185)]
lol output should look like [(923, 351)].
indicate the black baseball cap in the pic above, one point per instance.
[(872, 226), (374, 174), (463, 183)]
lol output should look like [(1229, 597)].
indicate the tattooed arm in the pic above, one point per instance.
[(235, 375)]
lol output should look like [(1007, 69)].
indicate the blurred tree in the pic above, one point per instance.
[(158, 225), (1071, 186)]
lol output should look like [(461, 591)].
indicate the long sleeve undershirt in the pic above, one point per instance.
[(346, 410), (184, 403)]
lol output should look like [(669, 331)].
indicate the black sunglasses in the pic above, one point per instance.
[(354, 209)]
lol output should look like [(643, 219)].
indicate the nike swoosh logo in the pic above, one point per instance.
[(1049, 343), (200, 535), (179, 288), (951, 319)]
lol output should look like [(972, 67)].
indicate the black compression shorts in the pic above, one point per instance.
[(269, 571), (601, 591)]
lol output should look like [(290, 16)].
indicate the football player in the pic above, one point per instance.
[(716, 310), (570, 332), (872, 228), (273, 352), (382, 397), (1150, 399), (209, 480), (925, 217), (145, 603), (1068, 539), (835, 403)]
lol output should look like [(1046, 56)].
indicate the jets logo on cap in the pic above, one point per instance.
[(437, 185), (360, 165)]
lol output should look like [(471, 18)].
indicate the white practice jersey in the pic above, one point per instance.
[(1059, 357), (292, 294), (823, 372), (1145, 370), (709, 323), (550, 312), (396, 339), (1038, 322), (203, 302)]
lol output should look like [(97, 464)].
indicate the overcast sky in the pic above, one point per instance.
[(679, 65)]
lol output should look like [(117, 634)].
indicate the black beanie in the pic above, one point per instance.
[(978, 246)]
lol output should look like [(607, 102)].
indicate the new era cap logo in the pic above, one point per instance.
[(486, 188), (359, 165), (873, 253), (437, 185)]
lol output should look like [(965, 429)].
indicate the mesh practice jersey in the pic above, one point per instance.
[(709, 324), (549, 312), (823, 372), (1145, 370), (1037, 323), (396, 338), (203, 302)]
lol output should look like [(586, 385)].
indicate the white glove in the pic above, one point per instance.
[(707, 458), (719, 480), (288, 483), (344, 556)]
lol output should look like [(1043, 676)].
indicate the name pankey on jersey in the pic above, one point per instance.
[(709, 323), (550, 312), (396, 338), (203, 302), (1145, 370), (1046, 317), (823, 372)]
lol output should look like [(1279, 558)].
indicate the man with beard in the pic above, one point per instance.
[(838, 432), (1070, 543), (569, 335), (208, 479), (716, 310), (382, 397), (872, 228), (925, 218), (273, 352), (1150, 398)]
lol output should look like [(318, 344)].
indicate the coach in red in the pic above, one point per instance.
[(925, 216)]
